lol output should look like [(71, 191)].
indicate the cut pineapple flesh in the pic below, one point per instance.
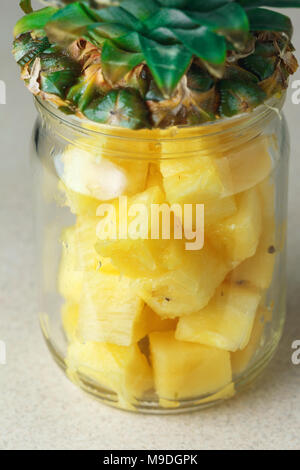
[(185, 370), (110, 310), (146, 316), (238, 236), (123, 370), (226, 322)]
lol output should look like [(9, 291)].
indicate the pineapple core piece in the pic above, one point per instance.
[(124, 370), (110, 310), (226, 322), (189, 286), (185, 370), (238, 236), (99, 177)]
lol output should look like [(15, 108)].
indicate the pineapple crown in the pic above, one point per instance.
[(170, 37)]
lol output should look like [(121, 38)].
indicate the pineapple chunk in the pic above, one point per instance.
[(110, 310), (150, 322), (86, 239), (92, 175), (79, 204), (191, 180), (185, 370), (238, 236), (249, 165), (133, 257), (198, 179), (241, 359), (70, 279), (188, 287), (226, 322), (258, 270), (124, 370), (70, 315), (154, 176)]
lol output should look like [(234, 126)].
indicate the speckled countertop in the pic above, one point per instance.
[(39, 407)]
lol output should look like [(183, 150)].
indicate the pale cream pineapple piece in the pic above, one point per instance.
[(123, 370), (110, 310), (185, 370), (100, 175), (238, 236), (226, 322), (190, 284)]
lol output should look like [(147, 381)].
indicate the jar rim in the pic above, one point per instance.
[(258, 116)]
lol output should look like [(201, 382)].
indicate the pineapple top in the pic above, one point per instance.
[(155, 63)]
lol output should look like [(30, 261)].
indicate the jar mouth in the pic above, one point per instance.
[(217, 136)]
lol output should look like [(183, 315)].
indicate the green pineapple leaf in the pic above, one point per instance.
[(99, 32), (116, 63), (34, 21), (268, 20), (69, 23), (168, 64), (269, 3), (230, 17), (140, 9), (203, 43), (26, 6), (129, 42), (119, 15), (123, 107), (170, 18)]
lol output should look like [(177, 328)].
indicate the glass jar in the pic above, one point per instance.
[(162, 255)]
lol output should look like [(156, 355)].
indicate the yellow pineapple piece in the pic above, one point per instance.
[(258, 270), (226, 322), (70, 315), (192, 180), (185, 370), (79, 204), (238, 236), (124, 370), (217, 210), (189, 286), (70, 278), (200, 179), (88, 259), (150, 322), (132, 257), (110, 310), (241, 359), (154, 176)]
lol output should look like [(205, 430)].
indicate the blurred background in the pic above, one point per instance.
[(39, 408)]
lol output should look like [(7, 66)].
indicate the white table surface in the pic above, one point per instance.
[(39, 407)]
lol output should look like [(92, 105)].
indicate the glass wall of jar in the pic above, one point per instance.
[(161, 255)]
